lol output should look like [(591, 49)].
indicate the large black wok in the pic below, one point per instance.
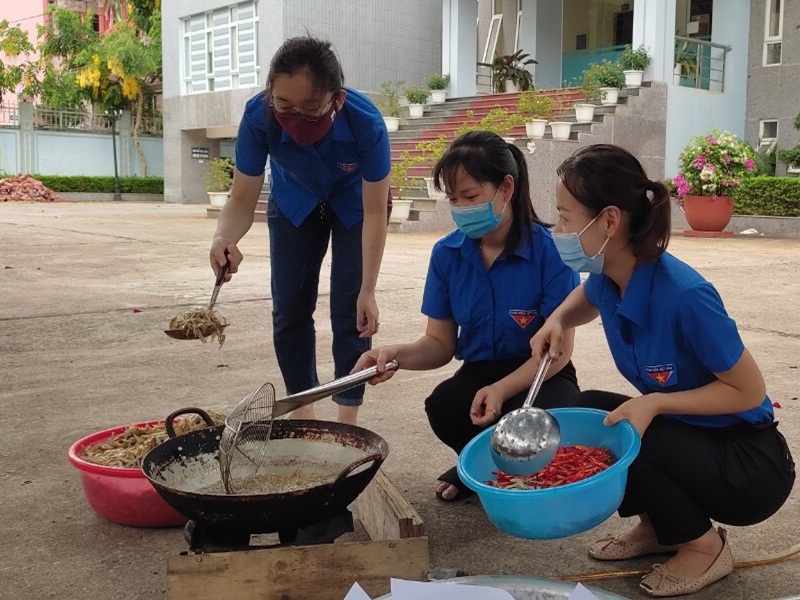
[(185, 472)]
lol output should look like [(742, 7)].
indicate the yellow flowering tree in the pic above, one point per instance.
[(17, 72)]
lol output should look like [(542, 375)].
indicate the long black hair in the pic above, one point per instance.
[(487, 158), (603, 175)]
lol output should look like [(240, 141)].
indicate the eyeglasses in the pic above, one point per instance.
[(286, 110)]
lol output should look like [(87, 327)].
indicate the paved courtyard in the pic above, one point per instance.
[(85, 292)]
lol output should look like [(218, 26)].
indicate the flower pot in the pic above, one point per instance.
[(584, 113), (416, 110), (708, 213), (535, 128), (218, 199), (432, 191), (438, 96), (392, 123), (633, 78), (511, 86), (610, 95), (561, 130), (401, 209)]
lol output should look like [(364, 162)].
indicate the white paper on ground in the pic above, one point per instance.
[(421, 590), (357, 593), (581, 593)]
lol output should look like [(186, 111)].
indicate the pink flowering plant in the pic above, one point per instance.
[(713, 165)]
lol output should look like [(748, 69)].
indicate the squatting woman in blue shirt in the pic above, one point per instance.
[(710, 447), (329, 156), (489, 287)]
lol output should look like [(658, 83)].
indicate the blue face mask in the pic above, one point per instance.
[(571, 252), (477, 221)]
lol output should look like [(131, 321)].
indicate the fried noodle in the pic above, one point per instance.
[(201, 323), (128, 448)]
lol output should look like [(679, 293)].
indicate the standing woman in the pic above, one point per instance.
[(490, 286), (329, 155), (710, 446)]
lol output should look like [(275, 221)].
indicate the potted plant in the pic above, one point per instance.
[(584, 111), (536, 108), (608, 77), (389, 104), (710, 166), (501, 121), (633, 63), (218, 179), (438, 84), (509, 72), (416, 101)]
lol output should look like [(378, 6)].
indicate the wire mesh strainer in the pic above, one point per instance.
[(243, 444)]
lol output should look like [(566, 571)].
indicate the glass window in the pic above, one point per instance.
[(491, 41), (773, 32), (769, 130), (774, 18)]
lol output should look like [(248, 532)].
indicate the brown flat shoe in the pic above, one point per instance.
[(661, 583), (613, 547)]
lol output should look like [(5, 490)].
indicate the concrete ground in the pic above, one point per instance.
[(76, 358)]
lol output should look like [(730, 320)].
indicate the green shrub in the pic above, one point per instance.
[(102, 185), (768, 196), (437, 81), (634, 60)]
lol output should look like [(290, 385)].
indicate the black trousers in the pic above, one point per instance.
[(448, 406), (685, 476)]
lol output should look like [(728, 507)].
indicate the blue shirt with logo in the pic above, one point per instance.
[(356, 148), (670, 333), (497, 310)]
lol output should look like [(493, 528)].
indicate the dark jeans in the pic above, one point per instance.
[(448, 406), (685, 476), (296, 255)]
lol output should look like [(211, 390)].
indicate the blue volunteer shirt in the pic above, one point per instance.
[(499, 310), (356, 148), (671, 333)]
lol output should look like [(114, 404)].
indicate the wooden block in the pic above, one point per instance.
[(385, 513), (321, 572)]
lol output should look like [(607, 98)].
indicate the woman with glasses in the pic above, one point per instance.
[(490, 286), (329, 156)]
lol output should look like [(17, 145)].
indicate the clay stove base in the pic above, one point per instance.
[(397, 547)]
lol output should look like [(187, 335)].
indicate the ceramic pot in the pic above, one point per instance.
[(584, 113), (416, 110), (708, 213), (535, 128), (610, 95), (392, 123), (438, 96), (561, 130), (633, 79)]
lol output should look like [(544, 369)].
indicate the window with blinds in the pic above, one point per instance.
[(220, 49)]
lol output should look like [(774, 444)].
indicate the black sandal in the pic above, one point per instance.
[(451, 477)]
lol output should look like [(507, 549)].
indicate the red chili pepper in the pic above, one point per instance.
[(570, 465)]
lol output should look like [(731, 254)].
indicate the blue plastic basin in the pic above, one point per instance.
[(559, 511)]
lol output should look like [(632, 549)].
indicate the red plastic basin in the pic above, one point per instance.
[(121, 495)]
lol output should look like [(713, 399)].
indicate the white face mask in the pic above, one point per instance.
[(571, 251)]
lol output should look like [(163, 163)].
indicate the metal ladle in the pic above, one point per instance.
[(180, 334), (525, 440)]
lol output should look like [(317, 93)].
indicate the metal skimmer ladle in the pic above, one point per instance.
[(245, 438), (180, 334), (525, 440)]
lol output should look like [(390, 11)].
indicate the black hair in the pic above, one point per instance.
[(603, 175), (312, 55), (487, 158)]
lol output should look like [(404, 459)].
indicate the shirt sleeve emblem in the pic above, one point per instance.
[(347, 167), (523, 318), (661, 374)]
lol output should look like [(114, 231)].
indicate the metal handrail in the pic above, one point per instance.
[(702, 63)]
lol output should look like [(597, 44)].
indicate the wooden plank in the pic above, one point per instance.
[(321, 572), (385, 513)]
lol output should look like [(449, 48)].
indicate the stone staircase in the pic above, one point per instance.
[(431, 213)]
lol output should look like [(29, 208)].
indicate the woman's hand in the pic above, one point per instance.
[(367, 314), (219, 246), (548, 338), (486, 406), (640, 411), (377, 357)]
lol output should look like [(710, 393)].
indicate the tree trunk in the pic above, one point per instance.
[(137, 125)]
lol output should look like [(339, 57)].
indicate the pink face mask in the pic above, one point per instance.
[(306, 132)]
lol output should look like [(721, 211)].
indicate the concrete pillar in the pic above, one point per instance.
[(545, 18), (654, 27), (127, 159), (27, 139), (460, 45), (183, 175)]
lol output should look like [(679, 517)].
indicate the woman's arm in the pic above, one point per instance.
[(739, 389), (373, 239), (235, 220)]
